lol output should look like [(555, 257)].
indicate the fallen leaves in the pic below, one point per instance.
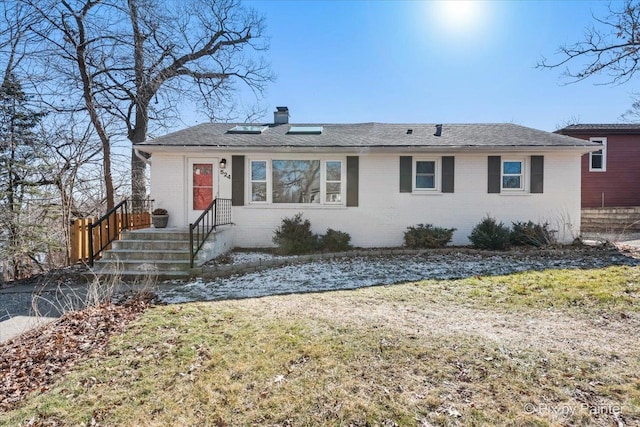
[(34, 360)]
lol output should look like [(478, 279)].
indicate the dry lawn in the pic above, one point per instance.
[(559, 347)]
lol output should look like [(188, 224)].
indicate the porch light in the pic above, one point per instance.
[(223, 164)]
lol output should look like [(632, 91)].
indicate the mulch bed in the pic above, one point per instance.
[(36, 359)]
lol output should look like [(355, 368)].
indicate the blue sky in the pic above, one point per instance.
[(413, 61)]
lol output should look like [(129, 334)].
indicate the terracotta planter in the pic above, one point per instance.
[(159, 221)]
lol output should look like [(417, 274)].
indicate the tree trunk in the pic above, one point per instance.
[(138, 185), (138, 166), (89, 99), (108, 179)]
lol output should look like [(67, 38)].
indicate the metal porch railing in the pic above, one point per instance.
[(216, 214)]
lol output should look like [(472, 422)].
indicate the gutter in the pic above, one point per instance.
[(584, 148), (142, 157)]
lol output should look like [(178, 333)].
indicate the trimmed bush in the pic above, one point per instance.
[(489, 234), (531, 234), (335, 241), (426, 236), (294, 236)]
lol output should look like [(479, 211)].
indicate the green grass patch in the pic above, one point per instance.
[(374, 356), (611, 288)]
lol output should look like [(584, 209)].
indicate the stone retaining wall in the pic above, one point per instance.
[(610, 219)]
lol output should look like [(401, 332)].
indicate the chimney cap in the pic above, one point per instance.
[(281, 116)]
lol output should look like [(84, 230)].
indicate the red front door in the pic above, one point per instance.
[(202, 183)]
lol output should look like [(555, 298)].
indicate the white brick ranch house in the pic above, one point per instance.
[(372, 180)]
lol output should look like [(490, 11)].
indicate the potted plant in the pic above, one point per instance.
[(159, 218)]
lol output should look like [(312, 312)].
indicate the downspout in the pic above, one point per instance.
[(142, 157)]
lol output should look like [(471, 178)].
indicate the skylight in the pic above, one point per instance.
[(305, 130), (247, 129)]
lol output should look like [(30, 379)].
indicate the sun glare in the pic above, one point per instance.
[(459, 18)]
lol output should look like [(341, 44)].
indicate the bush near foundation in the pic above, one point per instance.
[(490, 234), (531, 234), (335, 241), (294, 236), (426, 236)]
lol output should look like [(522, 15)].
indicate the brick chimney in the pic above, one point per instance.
[(281, 116)]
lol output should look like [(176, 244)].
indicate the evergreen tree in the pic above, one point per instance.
[(21, 176)]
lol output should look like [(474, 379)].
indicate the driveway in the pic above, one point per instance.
[(39, 300)]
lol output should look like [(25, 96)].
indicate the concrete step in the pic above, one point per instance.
[(148, 252), (141, 265), (147, 255), (156, 234), (141, 276), (151, 245), (158, 253)]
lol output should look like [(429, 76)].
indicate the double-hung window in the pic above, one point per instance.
[(333, 181), (513, 175), (426, 175), (258, 174), (598, 159)]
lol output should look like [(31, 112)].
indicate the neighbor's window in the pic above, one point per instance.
[(598, 159), (425, 177), (333, 181), (512, 175), (295, 181), (259, 181)]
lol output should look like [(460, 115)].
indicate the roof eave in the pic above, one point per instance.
[(585, 148), (597, 132)]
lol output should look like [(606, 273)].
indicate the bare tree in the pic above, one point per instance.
[(77, 48), (572, 120), (632, 115), (193, 49), (611, 46), (70, 153), (139, 62)]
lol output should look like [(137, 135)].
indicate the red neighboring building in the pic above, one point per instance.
[(611, 176)]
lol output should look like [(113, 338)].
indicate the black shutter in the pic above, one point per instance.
[(537, 174), (353, 177), (237, 180), (494, 174), (406, 172), (448, 173)]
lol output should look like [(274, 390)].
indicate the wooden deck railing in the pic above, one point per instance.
[(79, 244)]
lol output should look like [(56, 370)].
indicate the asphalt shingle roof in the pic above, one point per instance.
[(600, 129), (368, 135), (613, 126)]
